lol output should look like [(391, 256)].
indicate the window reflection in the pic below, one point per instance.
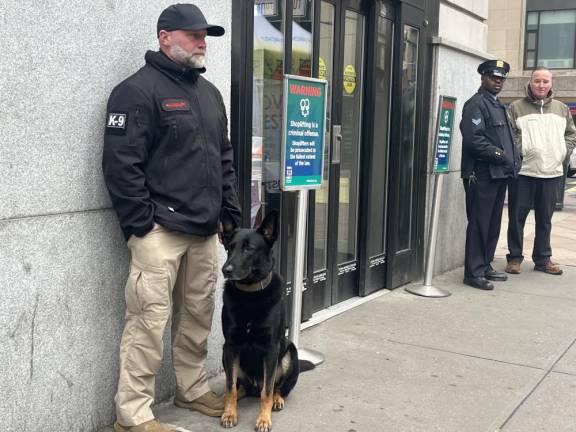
[(379, 162), (408, 122), (550, 39), (351, 133), (302, 38), (556, 39), (302, 66), (324, 72), (268, 68)]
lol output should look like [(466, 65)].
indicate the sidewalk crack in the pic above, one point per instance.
[(548, 371), (466, 355)]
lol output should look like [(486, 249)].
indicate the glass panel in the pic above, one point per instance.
[(268, 70), (531, 59), (557, 34), (407, 131), (351, 128), (379, 162), (532, 21), (302, 38), (301, 65), (325, 72), (531, 41)]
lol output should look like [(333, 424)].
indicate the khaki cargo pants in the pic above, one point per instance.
[(168, 270)]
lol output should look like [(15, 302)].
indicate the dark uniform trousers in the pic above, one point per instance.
[(524, 194), (484, 204)]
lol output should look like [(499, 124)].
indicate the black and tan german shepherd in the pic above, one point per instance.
[(258, 359)]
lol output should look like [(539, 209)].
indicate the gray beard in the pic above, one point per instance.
[(194, 61)]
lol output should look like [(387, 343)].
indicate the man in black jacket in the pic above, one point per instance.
[(489, 159), (167, 163)]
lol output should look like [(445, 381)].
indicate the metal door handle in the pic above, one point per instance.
[(337, 140)]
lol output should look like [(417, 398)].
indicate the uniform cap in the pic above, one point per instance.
[(186, 16), (497, 68)]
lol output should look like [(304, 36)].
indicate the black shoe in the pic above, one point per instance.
[(493, 275), (479, 282)]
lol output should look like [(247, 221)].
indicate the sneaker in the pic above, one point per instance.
[(149, 426), (209, 404), (513, 267), (550, 268)]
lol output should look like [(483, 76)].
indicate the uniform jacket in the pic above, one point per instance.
[(488, 149), (167, 158), (545, 133)]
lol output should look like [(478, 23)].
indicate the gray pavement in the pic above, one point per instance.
[(481, 361)]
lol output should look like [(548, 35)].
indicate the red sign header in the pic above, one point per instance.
[(304, 90)]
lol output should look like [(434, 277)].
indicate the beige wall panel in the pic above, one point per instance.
[(462, 29), (477, 7)]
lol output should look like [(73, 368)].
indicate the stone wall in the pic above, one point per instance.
[(63, 261), (458, 50)]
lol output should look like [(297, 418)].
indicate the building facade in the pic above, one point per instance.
[(63, 261), (531, 33)]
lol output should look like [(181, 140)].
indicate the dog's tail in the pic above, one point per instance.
[(305, 365)]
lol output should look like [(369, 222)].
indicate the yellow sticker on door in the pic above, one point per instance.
[(321, 68), (349, 79)]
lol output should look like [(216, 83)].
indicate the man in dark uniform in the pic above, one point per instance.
[(167, 163), (489, 159)]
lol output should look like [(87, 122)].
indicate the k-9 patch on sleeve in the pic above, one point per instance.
[(116, 123)]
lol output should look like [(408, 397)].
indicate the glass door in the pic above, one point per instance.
[(407, 157), (348, 145), (336, 204), (378, 93)]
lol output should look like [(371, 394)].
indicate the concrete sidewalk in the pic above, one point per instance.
[(481, 361), (475, 361)]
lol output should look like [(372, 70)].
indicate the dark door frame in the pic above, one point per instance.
[(407, 267)]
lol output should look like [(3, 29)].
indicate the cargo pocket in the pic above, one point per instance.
[(147, 293)]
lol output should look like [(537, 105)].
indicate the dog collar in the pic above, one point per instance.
[(256, 286)]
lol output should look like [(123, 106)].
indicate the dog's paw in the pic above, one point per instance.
[(278, 403), (263, 424), (229, 419)]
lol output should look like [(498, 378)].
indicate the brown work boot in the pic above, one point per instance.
[(209, 404), (550, 268), (149, 426), (513, 267)]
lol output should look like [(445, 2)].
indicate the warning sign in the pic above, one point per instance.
[(349, 79), (303, 132)]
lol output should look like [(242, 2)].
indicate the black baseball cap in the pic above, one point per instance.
[(186, 16)]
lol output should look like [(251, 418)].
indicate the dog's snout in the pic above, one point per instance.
[(227, 269)]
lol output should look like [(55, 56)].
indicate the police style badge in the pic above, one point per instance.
[(477, 121), (116, 123)]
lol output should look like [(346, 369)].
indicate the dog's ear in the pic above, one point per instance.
[(269, 227), (228, 225)]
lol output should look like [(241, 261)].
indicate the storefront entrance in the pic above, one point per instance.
[(342, 206), (363, 230)]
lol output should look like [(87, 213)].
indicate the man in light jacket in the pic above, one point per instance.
[(545, 132)]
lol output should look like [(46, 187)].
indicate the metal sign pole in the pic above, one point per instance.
[(302, 160), (443, 142), (308, 355), (428, 290)]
